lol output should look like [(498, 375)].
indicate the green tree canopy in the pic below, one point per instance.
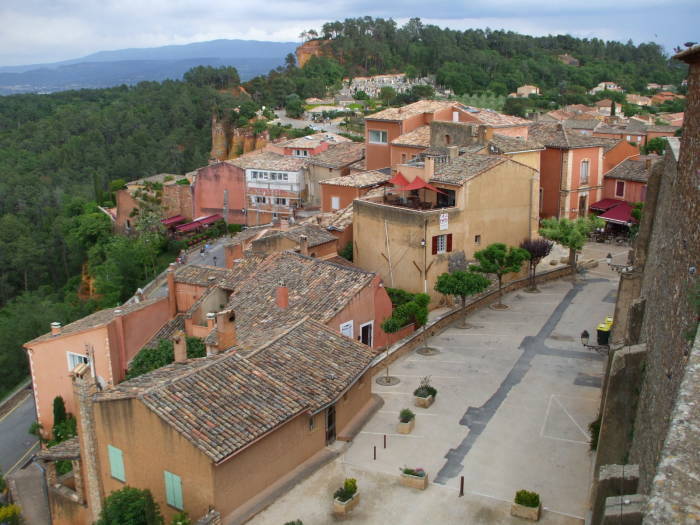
[(130, 506), (498, 259), (461, 284), (571, 234)]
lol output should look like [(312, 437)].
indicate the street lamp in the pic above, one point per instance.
[(601, 349)]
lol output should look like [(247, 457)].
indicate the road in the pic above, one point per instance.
[(15, 441), (299, 123)]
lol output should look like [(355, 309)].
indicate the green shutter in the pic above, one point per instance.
[(173, 490), (116, 463)]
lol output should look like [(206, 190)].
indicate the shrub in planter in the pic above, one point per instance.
[(415, 478), (425, 389), (347, 491), (406, 415), (527, 505)]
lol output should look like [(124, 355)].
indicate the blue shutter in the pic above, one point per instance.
[(173, 490), (116, 463)]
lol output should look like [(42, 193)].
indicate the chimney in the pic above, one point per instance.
[(55, 328), (304, 244), (453, 152), (172, 300), (211, 321), (429, 167), (226, 328), (282, 295), (180, 347), (647, 163)]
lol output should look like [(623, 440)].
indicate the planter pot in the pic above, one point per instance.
[(406, 428), (414, 482), (343, 507), (529, 513), (423, 402)]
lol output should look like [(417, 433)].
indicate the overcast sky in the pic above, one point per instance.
[(35, 31)]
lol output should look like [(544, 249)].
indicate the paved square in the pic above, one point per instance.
[(516, 393)]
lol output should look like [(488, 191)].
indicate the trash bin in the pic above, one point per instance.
[(609, 321), (603, 334)]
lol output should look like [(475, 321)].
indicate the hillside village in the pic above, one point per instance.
[(295, 339)]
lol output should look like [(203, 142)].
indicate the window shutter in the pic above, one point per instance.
[(116, 463), (435, 243), (449, 242), (173, 490)]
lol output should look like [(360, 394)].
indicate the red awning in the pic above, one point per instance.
[(177, 219), (198, 223), (620, 214), (605, 204), (398, 180), (418, 184)]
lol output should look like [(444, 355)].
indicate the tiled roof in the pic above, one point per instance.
[(663, 129), (339, 156), (199, 275), (360, 165), (581, 124), (315, 234), (176, 324), (506, 144), (313, 141), (559, 114), (268, 160), (316, 361), (248, 233), (492, 118), (334, 220), (223, 403), (241, 270), (465, 167), (95, 320), (316, 288), (362, 179), (65, 450), (419, 137), (411, 110), (610, 143), (555, 135), (632, 169)]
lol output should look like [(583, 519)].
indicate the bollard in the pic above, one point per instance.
[(375, 452), (384, 440), (461, 486)]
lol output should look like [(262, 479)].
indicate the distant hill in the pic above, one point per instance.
[(130, 66)]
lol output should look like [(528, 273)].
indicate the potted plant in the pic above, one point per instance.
[(527, 505), (346, 497), (407, 420), (416, 478), (425, 394)]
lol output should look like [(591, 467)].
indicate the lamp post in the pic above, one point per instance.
[(619, 268)]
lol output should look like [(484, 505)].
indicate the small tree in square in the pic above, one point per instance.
[(461, 284), (571, 234), (499, 260), (538, 250)]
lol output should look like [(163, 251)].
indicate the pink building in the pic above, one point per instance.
[(628, 180), (220, 189), (307, 146)]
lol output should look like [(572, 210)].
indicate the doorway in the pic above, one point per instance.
[(366, 333), (582, 205), (330, 424)]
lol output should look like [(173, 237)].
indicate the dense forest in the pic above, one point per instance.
[(63, 154), (471, 61)]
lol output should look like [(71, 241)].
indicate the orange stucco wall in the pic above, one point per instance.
[(123, 424), (346, 193), (633, 191), (592, 190), (621, 151), (379, 155), (187, 295), (550, 181), (49, 359), (404, 154), (372, 304), (210, 184)]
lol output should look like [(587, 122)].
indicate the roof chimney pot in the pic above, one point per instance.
[(282, 296), (55, 328), (180, 347), (304, 245)]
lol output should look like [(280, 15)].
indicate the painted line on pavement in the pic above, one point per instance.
[(3, 418), (23, 458), (392, 435)]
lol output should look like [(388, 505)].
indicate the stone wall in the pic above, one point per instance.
[(670, 273)]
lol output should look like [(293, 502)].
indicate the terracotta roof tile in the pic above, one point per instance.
[(506, 144), (362, 179), (419, 137), (465, 167), (634, 169), (339, 156), (199, 275), (555, 135), (268, 160), (313, 141), (411, 110)]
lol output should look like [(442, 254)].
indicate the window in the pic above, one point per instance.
[(75, 360), (629, 138), (442, 243), (378, 137), (273, 176), (260, 200), (285, 176), (446, 199), (173, 490), (584, 171), (620, 188), (477, 239), (300, 153), (253, 174), (116, 463), (403, 158), (280, 201), (335, 203), (264, 176), (312, 423)]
